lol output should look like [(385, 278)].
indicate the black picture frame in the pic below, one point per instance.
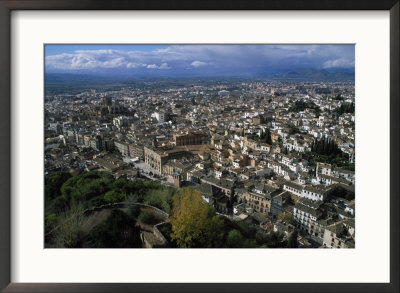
[(6, 7)]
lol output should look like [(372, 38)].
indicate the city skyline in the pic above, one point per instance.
[(200, 146)]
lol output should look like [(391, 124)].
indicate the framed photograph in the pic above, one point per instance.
[(187, 147)]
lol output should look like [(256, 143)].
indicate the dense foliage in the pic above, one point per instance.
[(287, 217), (67, 199), (292, 241), (339, 191), (325, 146), (341, 160), (266, 136), (195, 224), (93, 189), (301, 105), (345, 108), (327, 151), (117, 231), (54, 183), (293, 129), (146, 217)]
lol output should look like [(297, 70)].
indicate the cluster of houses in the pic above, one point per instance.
[(243, 149)]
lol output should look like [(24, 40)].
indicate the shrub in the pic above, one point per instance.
[(50, 221), (235, 239), (117, 231), (134, 211), (113, 196), (146, 217)]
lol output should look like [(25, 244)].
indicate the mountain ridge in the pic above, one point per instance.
[(308, 74)]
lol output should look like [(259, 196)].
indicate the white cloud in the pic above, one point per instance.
[(154, 66), (219, 57), (338, 63), (114, 63), (198, 64), (133, 65), (164, 66)]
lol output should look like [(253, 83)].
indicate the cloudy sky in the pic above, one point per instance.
[(196, 60)]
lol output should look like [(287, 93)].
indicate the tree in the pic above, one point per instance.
[(285, 151), (345, 108), (215, 232), (248, 230), (134, 211), (267, 138), (65, 227), (162, 199), (301, 106), (113, 196), (340, 191), (193, 221), (325, 146), (146, 217), (292, 241), (82, 188), (262, 239), (287, 217), (117, 231), (317, 112), (54, 183), (339, 97), (235, 239), (274, 239), (50, 222), (68, 230), (293, 129)]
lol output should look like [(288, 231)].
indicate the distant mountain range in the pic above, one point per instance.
[(310, 74), (57, 81)]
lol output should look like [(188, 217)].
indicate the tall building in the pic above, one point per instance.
[(161, 116), (190, 138), (122, 147)]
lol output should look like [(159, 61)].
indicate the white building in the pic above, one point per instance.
[(305, 191), (160, 116)]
